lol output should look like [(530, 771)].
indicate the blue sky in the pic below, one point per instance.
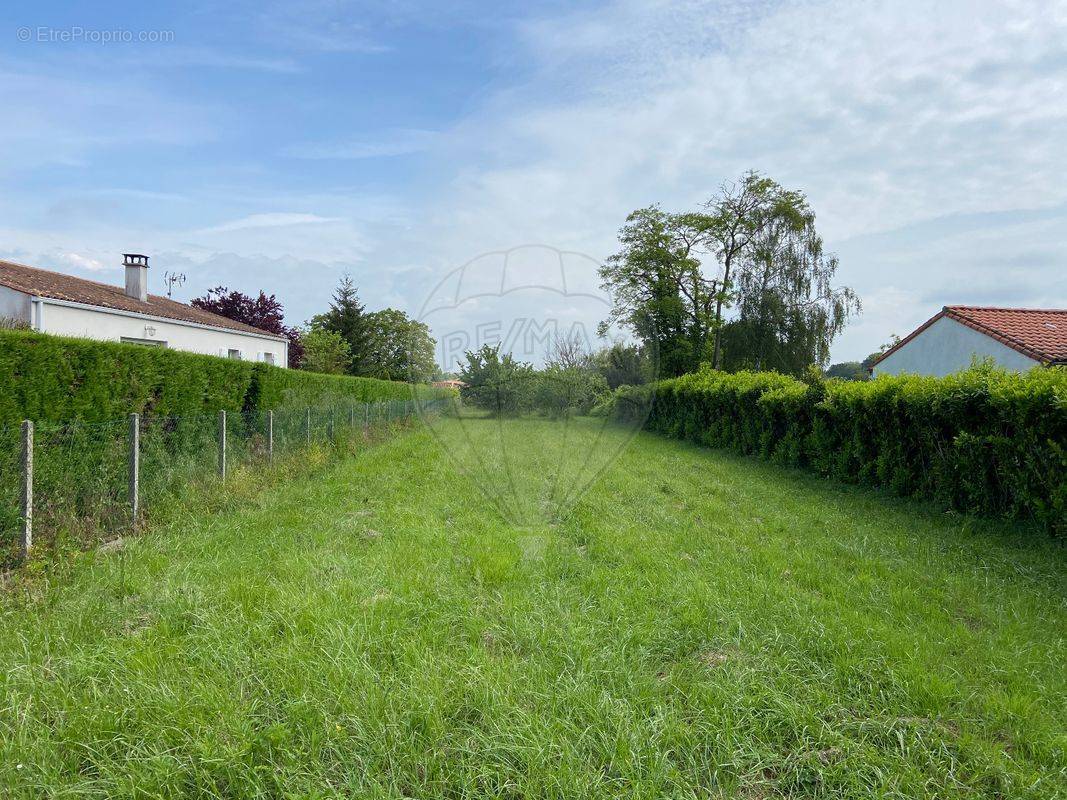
[(279, 145)]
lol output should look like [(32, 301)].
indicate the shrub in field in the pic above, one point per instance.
[(566, 391), (504, 386), (983, 440), (497, 382), (628, 404)]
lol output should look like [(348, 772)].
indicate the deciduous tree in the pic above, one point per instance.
[(264, 312), (754, 247), (497, 382), (399, 348), (326, 351), (659, 288)]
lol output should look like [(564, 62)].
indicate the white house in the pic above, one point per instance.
[(1016, 339), (52, 302)]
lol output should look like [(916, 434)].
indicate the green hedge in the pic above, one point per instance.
[(56, 379), (274, 387), (79, 392), (983, 440)]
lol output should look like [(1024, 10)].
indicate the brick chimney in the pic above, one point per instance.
[(136, 275)]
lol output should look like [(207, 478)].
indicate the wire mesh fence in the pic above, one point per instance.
[(93, 480)]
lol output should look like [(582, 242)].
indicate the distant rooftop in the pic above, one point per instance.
[(58, 286), (1040, 333)]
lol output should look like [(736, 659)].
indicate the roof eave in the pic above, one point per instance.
[(155, 318), (999, 336), (943, 312)]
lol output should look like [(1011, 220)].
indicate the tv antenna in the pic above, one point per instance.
[(173, 279)]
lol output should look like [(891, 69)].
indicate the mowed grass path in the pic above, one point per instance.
[(700, 626)]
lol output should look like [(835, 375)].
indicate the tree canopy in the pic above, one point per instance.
[(326, 351), (623, 365), (659, 288), (347, 318), (496, 381), (384, 344), (399, 348), (752, 248)]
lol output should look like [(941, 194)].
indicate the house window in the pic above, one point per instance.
[(231, 353), (268, 358), (144, 342)]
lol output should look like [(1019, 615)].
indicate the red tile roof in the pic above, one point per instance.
[(56, 285), (1040, 334)]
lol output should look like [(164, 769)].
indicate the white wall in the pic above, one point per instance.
[(94, 323), (14, 305), (948, 346)]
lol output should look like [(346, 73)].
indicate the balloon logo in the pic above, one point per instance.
[(524, 330)]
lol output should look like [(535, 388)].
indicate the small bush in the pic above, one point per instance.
[(497, 382), (567, 391)]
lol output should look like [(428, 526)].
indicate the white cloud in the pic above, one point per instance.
[(271, 220), (63, 119), (178, 57), (399, 142), (928, 136), (889, 116), (80, 261)]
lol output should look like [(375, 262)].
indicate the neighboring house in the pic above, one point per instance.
[(449, 384), (1014, 338), (52, 302)]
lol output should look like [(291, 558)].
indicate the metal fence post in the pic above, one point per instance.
[(307, 425), (135, 467), (27, 487), (222, 445), (270, 437)]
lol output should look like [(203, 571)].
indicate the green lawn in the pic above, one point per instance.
[(699, 625)]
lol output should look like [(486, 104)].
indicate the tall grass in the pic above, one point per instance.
[(81, 469), (700, 625)]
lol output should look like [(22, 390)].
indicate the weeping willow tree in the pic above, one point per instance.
[(786, 309), (743, 283)]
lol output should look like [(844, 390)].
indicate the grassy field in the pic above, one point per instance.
[(698, 625)]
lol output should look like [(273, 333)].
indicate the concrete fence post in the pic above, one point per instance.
[(270, 437), (135, 467), (26, 495), (222, 445), (307, 425)]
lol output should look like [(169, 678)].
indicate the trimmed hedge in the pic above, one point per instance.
[(56, 379), (983, 441), (274, 387), (79, 392)]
